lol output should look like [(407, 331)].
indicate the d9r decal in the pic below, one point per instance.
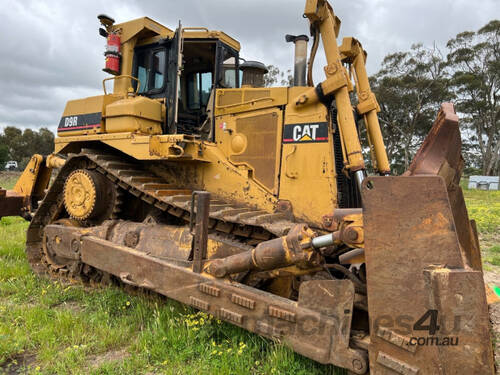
[(306, 133), (80, 122), (71, 121)]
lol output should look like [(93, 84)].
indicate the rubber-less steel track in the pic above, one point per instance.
[(130, 176)]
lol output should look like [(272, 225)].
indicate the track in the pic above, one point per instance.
[(225, 218)]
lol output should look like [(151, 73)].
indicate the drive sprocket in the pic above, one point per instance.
[(88, 195)]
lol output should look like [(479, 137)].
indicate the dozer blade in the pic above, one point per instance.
[(441, 155), (426, 294)]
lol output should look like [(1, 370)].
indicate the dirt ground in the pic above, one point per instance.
[(491, 277)]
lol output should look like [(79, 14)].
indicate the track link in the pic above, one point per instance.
[(225, 218)]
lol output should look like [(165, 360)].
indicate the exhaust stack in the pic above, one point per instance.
[(300, 62)]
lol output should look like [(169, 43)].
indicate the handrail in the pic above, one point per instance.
[(195, 28), (121, 76), (246, 102)]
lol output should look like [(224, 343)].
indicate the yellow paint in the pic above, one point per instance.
[(224, 179), (134, 114), (26, 183), (352, 52), (232, 136), (202, 33), (228, 101), (144, 26), (79, 194), (247, 161), (308, 169), (54, 161), (93, 104), (337, 81)]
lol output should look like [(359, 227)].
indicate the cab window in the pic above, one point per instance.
[(230, 78), (143, 71), (159, 69), (150, 70), (199, 87), (229, 69)]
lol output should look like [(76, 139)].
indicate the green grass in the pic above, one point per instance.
[(67, 327), (484, 208), (47, 327), (8, 179)]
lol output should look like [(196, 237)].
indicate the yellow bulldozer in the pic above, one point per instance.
[(253, 204)]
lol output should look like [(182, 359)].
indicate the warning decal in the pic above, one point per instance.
[(306, 133)]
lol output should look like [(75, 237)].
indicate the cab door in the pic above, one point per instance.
[(174, 68)]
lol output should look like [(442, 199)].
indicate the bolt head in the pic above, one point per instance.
[(351, 234), (75, 245), (357, 364)]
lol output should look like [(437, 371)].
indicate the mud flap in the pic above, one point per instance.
[(427, 305)]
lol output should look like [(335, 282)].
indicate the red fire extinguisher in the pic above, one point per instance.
[(113, 53)]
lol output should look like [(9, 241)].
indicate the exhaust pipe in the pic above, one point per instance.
[(300, 63)]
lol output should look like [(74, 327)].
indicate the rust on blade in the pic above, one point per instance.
[(441, 151), (416, 268), (441, 155), (11, 203)]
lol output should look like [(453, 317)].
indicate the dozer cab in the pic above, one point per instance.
[(254, 203)]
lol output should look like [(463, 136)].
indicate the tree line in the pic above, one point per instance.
[(411, 85), (19, 145)]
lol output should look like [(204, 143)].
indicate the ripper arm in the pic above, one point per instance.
[(30, 187)]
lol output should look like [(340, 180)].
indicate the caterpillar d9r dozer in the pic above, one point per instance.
[(253, 203)]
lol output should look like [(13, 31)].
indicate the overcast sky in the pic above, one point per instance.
[(51, 50)]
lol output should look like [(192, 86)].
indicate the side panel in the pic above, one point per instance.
[(85, 116), (307, 176), (138, 115), (252, 140)]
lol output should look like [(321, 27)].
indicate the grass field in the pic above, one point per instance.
[(51, 328), (484, 208)]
